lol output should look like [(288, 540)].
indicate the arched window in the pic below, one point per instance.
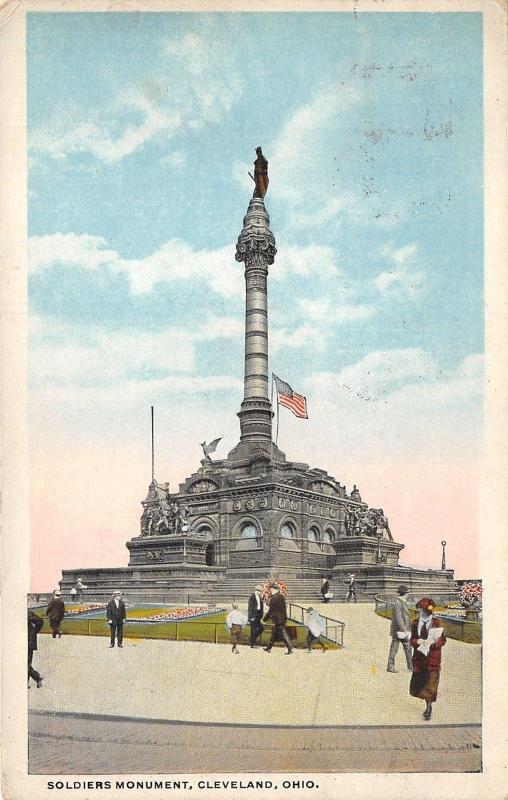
[(328, 537), (210, 554), (205, 531), (313, 535), (287, 531), (248, 531)]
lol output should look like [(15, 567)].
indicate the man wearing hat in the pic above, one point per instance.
[(116, 614), (278, 614), (325, 589), (351, 590), (80, 586), (400, 629), (55, 613), (255, 614)]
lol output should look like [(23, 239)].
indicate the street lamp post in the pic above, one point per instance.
[(443, 558)]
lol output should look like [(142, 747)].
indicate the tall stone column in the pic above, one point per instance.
[(256, 248)]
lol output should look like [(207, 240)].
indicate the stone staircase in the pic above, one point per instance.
[(219, 586)]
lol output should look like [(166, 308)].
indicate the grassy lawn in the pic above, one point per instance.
[(208, 628), (463, 631)]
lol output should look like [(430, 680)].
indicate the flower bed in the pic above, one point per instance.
[(91, 607), (471, 594), (177, 614)]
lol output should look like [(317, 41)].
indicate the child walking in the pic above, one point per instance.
[(235, 621)]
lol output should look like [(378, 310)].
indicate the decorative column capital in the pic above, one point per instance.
[(256, 238)]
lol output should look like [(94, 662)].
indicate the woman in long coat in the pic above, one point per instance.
[(426, 668)]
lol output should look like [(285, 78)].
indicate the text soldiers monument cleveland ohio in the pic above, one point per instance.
[(255, 512)]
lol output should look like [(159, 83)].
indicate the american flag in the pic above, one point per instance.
[(290, 399)]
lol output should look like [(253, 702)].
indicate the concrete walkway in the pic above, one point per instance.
[(196, 682)]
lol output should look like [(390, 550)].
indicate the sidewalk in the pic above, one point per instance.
[(196, 682), (61, 744)]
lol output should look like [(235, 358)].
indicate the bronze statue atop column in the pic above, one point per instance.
[(260, 177)]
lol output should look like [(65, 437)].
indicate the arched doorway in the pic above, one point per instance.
[(210, 554)]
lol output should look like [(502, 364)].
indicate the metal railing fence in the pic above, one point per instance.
[(172, 630), (456, 626), (334, 627)]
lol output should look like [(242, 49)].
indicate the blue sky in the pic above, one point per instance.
[(142, 128)]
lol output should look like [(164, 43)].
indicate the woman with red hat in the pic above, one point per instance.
[(426, 655)]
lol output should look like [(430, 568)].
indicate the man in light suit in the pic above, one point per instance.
[(116, 615), (255, 614), (400, 630)]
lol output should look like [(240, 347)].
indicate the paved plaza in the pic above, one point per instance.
[(204, 683)]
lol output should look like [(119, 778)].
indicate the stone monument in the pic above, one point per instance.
[(255, 513)]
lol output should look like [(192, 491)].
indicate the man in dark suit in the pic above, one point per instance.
[(278, 614), (55, 613), (116, 615), (325, 588), (35, 623), (255, 614)]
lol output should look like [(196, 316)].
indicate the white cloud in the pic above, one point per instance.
[(178, 261), (293, 154), (197, 88), (220, 328), (175, 160), (380, 372), (397, 401), (107, 356), (101, 139), (309, 260), (174, 261), (99, 357), (302, 336), (307, 218), (84, 251), (406, 276), (329, 310), (214, 83)]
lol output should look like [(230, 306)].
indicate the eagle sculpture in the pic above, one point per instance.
[(211, 447)]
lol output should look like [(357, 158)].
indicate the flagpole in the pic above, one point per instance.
[(277, 433), (153, 449)]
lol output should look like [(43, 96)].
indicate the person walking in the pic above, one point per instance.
[(278, 614), (73, 594), (235, 621), (400, 629), (35, 623), (255, 613), (427, 639), (80, 586), (116, 615), (325, 590), (351, 592), (316, 628), (55, 613)]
